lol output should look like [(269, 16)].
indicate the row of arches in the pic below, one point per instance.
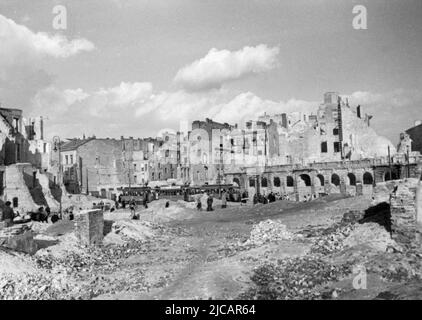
[(319, 181)]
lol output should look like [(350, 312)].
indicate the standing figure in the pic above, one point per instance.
[(7, 215), (224, 199), (132, 207), (209, 203), (145, 200), (199, 204)]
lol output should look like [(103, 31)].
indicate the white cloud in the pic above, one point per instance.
[(220, 66), (136, 109), (20, 45), (133, 108)]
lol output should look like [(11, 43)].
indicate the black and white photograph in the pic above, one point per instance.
[(232, 151)]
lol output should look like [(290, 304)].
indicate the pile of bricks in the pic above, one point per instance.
[(89, 227)]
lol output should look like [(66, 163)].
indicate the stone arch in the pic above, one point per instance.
[(251, 182), (335, 179), (264, 182), (306, 179), (289, 181), (320, 180), (368, 178), (352, 179), (237, 180), (276, 182)]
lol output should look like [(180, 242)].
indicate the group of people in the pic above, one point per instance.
[(205, 200), (264, 199), (8, 216), (146, 197)]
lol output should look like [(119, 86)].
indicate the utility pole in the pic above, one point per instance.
[(87, 191), (389, 163), (57, 148), (408, 163)]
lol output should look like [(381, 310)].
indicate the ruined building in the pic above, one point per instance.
[(24, 161), (334, 150), (415, 134), (102, 166)]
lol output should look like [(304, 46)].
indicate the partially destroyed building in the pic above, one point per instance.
[(103, 166), (24, 161), (333, 149), (415, 134)]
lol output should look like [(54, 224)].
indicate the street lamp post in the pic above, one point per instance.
[(389, 164), (57, 148)]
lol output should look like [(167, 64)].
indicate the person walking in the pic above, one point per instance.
[(145, 200), (199, 204), (132, 207), (209, 203), (224, 199)]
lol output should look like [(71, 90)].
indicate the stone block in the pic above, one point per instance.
[(18, 238), (89, 227)]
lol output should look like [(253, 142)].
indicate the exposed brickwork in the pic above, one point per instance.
[(403, 214)]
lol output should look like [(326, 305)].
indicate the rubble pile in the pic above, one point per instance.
[(268, 231), (295, 278), (352, 216), (40, 287), (331, 239), (123, 231), (372, 235)]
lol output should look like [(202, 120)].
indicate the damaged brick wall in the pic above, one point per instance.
[(403, 214)]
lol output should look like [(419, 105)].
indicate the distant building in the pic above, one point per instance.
[(415, 134), (102, 166)]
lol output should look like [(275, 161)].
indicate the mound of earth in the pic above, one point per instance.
[(125, 230), (371, 235)]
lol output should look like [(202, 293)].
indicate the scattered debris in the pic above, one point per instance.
[(268, 231), (296, 278)]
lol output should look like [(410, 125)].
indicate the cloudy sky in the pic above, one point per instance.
[(137, 66)]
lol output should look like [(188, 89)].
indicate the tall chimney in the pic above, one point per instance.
[(358, 111)]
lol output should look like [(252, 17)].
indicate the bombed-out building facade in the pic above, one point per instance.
[(331, 150), (24, 159)]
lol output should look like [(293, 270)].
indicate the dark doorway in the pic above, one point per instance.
[(306, 179), (367, 178), (290, 181), (352, 179), (335, 179)]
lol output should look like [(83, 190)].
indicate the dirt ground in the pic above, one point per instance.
[(181, 253)]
